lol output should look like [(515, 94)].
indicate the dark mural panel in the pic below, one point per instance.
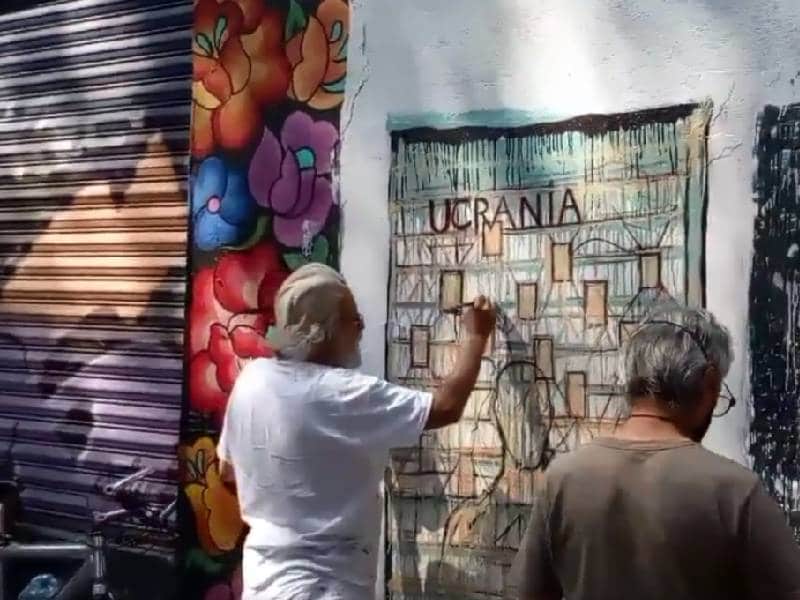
[(775, 304)]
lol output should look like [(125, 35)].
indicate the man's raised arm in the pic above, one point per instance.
[(451, 396)]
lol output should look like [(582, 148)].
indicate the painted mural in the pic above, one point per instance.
[(267, 88), (775, 306), (576, 229)]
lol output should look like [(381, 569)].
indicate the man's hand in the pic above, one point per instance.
[(479, 320), (450, 398)]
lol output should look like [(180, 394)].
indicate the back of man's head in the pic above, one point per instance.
[(306, 310), (669, 355)]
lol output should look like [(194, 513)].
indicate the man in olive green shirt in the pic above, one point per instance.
[(650, 514)]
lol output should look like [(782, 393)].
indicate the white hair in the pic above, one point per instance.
[(306, 310)]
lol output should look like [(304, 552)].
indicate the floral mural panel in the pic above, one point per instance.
[(267, 88)]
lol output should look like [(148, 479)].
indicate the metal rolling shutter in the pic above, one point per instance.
[(94, 129)]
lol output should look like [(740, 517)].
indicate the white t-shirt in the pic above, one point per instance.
[(309, 445)]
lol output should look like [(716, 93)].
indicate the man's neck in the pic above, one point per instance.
[(649, 421), (322, 356)]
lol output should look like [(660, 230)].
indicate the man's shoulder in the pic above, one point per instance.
[(261, 369), (688, 457), (723, 469), (568, 462), (351, 385), (342, 379), (257, 366), (251, 380)]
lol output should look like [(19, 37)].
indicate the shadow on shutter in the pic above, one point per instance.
[(94, 129)]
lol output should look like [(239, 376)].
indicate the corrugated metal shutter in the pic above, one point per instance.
[(94, 128)]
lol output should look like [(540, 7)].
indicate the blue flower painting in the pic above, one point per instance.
[(223, 210)]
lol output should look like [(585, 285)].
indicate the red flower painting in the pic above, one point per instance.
[(232, 307)]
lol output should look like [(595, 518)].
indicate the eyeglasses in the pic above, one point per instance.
[(726, 400)]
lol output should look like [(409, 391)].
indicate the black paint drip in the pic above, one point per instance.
[(775, 306)]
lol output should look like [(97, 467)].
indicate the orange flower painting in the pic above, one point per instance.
[(216, 510), (318, 55), (239, 67)]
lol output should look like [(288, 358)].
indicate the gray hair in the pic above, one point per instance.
[(669, 354), (306, 310)]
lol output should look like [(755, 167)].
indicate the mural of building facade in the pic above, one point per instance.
[(267, 88), (774, 307), (575, 229)]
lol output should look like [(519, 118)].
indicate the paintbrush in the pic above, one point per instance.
[(460, 307)]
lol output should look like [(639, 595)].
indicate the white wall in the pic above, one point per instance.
[(565, 58)]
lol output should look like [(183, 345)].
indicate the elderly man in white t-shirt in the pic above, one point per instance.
[(306, 439)]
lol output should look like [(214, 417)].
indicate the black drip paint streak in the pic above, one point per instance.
[(590, 125), (774, 305)]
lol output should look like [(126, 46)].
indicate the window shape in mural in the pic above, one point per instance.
[(562, 262), (576, 394), (420, 346), (451, 291), (543, 353), (595, 298), (493, 239), (650, 271), (527, 296)]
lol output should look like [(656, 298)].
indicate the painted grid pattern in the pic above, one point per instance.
[(604, 215)]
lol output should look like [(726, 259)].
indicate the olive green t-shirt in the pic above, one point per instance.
[(656, 520)]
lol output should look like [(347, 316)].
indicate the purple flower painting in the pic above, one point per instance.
[(292, 177)]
